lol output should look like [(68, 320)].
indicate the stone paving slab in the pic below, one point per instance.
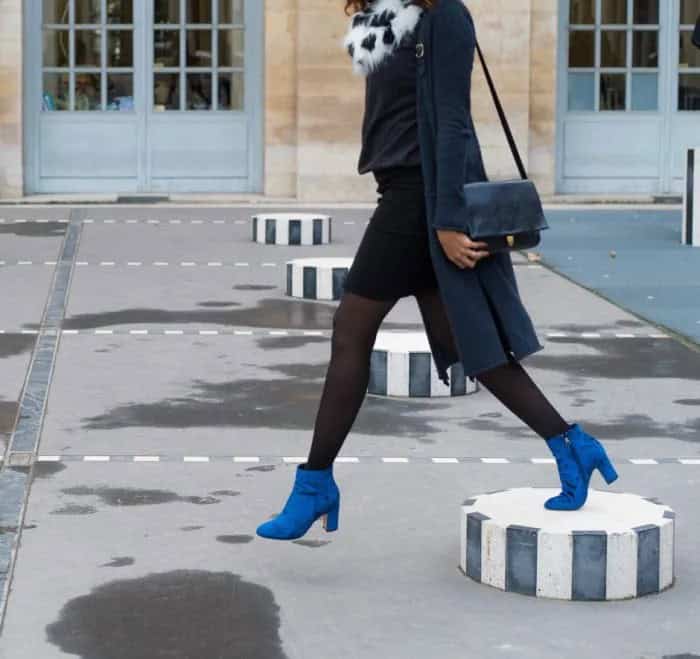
[(258, 395), (24, 292), (152, 561)]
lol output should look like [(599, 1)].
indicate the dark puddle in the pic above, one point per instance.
[(262, 468), (312, 543), (631, 426), (619, 359), (234, 539), (225, 493), (681, 656), (289, 403), (74, 509), (8, 414), (289, 342), (123, 496), (191, 528), (218, 305), (687, 401), (119, 561), (13, 529), (15, 344), (254, 287), (273, 312), (33, 229), (577, 328), (47, 469), (184, 614)]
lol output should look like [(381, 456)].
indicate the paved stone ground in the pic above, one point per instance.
[(180, 361)]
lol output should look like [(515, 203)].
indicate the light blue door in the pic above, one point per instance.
[(628, 96), (144, 95)]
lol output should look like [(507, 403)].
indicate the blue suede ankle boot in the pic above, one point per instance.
[(574, 488), (590, 454), (315, 494)]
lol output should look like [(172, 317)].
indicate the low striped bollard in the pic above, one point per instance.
[(691, 200), (291, 229), (317, 278)]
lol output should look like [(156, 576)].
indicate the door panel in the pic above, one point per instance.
[(141, 95)]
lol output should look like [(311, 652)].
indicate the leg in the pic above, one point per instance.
[(355, 326), (512, 385)]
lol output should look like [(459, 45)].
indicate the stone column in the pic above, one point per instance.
[(11, 161)]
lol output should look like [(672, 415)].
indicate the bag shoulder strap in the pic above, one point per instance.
[(502, 115)]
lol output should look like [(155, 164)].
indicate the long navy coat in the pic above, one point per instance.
[(489, 323)]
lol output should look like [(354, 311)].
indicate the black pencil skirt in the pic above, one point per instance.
[(393, 258)]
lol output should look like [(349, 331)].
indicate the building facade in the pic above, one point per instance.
[(127, 96)]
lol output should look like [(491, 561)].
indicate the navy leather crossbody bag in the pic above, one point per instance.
[(507, 215)]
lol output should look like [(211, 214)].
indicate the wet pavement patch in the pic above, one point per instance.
[(184, 614), (74, 509), (8, 414), (124, 496), (225, 493), (47, 469), (312, 543), (191, 528), (33, 229), (290, 403), (254, 287), (218, 305), (270, 312), (262, 468), (234, 539), (289, 342), (623, 359), (15, 344), (119, 561), (687, 401)]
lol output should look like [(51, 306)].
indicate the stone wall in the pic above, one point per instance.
[(11, 175)]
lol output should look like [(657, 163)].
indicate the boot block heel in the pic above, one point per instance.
[(330, 519), (607, 471)]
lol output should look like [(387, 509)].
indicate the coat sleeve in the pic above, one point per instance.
[(452, 62)]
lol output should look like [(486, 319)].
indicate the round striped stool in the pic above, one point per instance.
[(317, 278), (402, 365), (618, 546), (291, 229)]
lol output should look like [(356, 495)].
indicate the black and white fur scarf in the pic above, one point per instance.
[(375, 33)]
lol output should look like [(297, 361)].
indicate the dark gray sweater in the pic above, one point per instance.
[(389, 126)]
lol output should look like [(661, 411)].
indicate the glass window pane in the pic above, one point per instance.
[(120, 48), (199, 11), (689, 55), (166, 91), (231, 92), (690, 10), (231, 48), (689, 91), (56, 11), (614, 11), (613, 44), (581, 91), (166, 11), (582, 12), (88, 93), (646, 12), (581, 48), (56, 92), (56, 45), (120, 92), (199, 48), (231, 11), (612, 91), (87, 47), (645, 91), (645, 49), (199, 91), (166, 48), (120, 11), (88, 11)]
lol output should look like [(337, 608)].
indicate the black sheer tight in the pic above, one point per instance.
[(355, 325)]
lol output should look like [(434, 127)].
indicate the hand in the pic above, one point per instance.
[(460, 249)]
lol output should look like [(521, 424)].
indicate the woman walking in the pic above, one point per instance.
[(419, 142)]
